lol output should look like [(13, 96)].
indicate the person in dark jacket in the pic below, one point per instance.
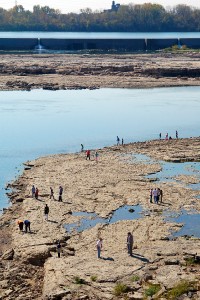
[(27, 224), (58, 248), (46, 212), (130, 243)]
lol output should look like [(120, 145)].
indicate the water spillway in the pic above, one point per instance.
[(105, 44)]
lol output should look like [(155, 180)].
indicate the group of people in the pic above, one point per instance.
[(35, 192), (129, 242), (167, 137), (156, 195), (26, 224), (88, 155)]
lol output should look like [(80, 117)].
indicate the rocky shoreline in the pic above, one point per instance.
[(93, 71), (160, 266)]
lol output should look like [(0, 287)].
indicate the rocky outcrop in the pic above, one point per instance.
[(31, 269), (87, 71)]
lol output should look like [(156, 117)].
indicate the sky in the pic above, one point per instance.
[(67, 6)]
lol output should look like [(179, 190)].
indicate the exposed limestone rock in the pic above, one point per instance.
[(8, 255)]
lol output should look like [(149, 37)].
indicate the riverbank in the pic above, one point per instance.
[(29, 266), (93, 71)]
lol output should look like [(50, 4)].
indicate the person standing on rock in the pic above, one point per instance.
[(51, 193), (118, 140), (176, 134), (96, 156), (88, 154), (27, 224), (36, 193), (60, 193), (46, 212), (82, 147), (58, 249), (130, 243), (33, 191), (155, 195), (20, 224), (99, 247), (122, 142), (160, 135)]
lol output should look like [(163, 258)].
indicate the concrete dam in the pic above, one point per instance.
[(70, 44)]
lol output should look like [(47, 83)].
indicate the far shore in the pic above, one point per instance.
[(102, 186)]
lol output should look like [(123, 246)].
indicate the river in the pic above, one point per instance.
[(41, 122)]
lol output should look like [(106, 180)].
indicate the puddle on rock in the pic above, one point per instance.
[(190, 221), (89, 220), (170, 170)]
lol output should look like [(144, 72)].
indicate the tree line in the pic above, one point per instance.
[(129, 18)]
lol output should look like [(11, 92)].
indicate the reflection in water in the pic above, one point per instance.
[(89, 220)]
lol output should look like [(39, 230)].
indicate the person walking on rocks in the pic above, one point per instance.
[(51, 193), (99, 247), (27, 224), (176, 134), (122, 142), (130, 243), (20, 224), (33, 191), (82, 147), (60, 193), (58, 249), (46, 212), (88, 154), (36, 193)]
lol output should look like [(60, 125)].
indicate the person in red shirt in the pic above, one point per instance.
[(88, 154)]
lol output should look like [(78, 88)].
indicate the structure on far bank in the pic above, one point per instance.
[(114, 7)]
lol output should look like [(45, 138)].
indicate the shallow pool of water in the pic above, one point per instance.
[(170, 170), (89, 220), (190, 220)]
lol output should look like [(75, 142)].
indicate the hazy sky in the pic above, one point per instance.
[(76, 5)]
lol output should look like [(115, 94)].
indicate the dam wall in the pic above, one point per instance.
[(89, 44), (75, 44), (157, 44), (191, 43), (18, 43)]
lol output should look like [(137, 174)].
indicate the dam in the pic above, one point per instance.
[(104, 44)]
